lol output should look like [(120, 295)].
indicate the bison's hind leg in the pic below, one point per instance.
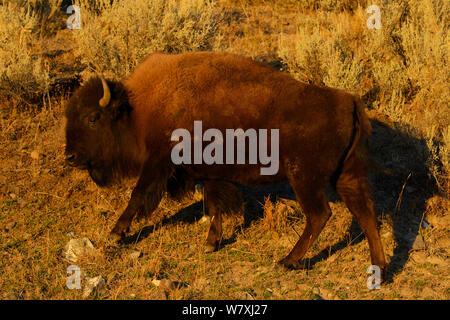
[(313, 200), (220, 198), (353, 187)]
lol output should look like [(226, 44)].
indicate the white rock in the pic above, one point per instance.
[(204, 219), (156, 282), (418, 244), (135, 255), (243, 295), (93, 285), (164, 284), (425, 224), (77, 248)]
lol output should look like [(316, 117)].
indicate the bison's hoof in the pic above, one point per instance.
[(209, 248), (291, 264)]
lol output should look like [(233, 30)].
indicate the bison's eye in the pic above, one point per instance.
[(93, 118)]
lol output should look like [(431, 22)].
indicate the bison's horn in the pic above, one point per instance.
[(104, 101)]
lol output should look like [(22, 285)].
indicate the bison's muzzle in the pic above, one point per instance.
[(97, 173)]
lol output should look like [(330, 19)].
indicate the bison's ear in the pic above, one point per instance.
[(119, 105)]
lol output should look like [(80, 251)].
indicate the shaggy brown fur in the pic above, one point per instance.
[(323, 135)]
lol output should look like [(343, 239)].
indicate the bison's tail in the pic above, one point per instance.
[(360, 144), (363, 129)]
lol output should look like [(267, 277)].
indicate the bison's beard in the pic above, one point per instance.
[(100, 178), (105, 174)]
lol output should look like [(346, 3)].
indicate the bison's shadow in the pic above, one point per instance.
[(401, 196), (394, 149)]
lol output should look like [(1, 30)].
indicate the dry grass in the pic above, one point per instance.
[(22, 73), (400, 68), (401, 71), (118, 36)]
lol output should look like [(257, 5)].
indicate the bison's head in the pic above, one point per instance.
[(97, 128)]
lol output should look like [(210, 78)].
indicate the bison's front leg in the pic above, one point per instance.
[(145, 198), (135, 207)]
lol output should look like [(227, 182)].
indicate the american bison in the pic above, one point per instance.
[(118, 129)]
